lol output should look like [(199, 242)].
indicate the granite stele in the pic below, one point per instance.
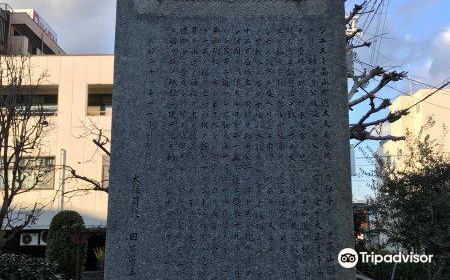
[(230, 153)]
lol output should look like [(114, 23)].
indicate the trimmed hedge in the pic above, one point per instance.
[(22, 267), (60, 249)]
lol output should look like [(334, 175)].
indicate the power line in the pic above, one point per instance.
[(416, 82), (407, 94), (412, 96), (374, 11), (437, 90), (384, 30), (380, 29), (427, 85), (391, 156), (382, 9)]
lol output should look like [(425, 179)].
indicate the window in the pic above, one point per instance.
[(99, 100), (36, 173), (49, 103), (105, 171), (41, 170), (40, 100)]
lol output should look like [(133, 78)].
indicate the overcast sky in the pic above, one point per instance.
[(417, 37), (83, 26)]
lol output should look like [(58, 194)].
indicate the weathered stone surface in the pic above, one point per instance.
[(230, 142), (230, 8)]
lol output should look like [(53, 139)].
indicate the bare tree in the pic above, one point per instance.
[(368, 85), (23, 126)]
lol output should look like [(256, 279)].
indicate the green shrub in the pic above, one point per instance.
[(22, 267), (403, 271), (60, 248)]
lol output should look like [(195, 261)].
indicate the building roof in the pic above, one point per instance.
[(35, 29)]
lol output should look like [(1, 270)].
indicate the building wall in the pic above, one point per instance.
[(72, 75), (437, 106)]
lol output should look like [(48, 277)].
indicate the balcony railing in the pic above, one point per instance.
[(46, 110)]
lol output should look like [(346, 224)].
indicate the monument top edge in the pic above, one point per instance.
[(230, 7)]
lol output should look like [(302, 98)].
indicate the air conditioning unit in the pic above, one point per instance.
[(29, 239), (43, 238)]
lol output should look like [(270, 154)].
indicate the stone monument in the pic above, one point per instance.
[(230, 153)]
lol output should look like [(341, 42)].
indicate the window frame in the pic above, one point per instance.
[(38, 187), (98, 89)]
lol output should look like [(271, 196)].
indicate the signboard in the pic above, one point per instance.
[(41, 22), (45, 26)]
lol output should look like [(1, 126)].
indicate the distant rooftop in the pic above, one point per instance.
[(40, 21), (25, 31)]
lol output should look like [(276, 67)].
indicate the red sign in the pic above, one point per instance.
[(45, 26)]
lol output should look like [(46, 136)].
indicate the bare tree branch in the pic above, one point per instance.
[(366, 88), (363, 45), (361, 82), (101, 145), (393, 76), (23, 126), (355, 11), (93, 185)]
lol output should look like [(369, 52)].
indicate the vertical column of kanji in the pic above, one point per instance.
[(224, 67), (214, 89), (134, 220), (326, 122), (327, 200), (150, 98), (249, 148), (282, 148), (322, 193), (314, 188), (296, 131), (206, 128), (243, 140), (135, 179), (175, 196)]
